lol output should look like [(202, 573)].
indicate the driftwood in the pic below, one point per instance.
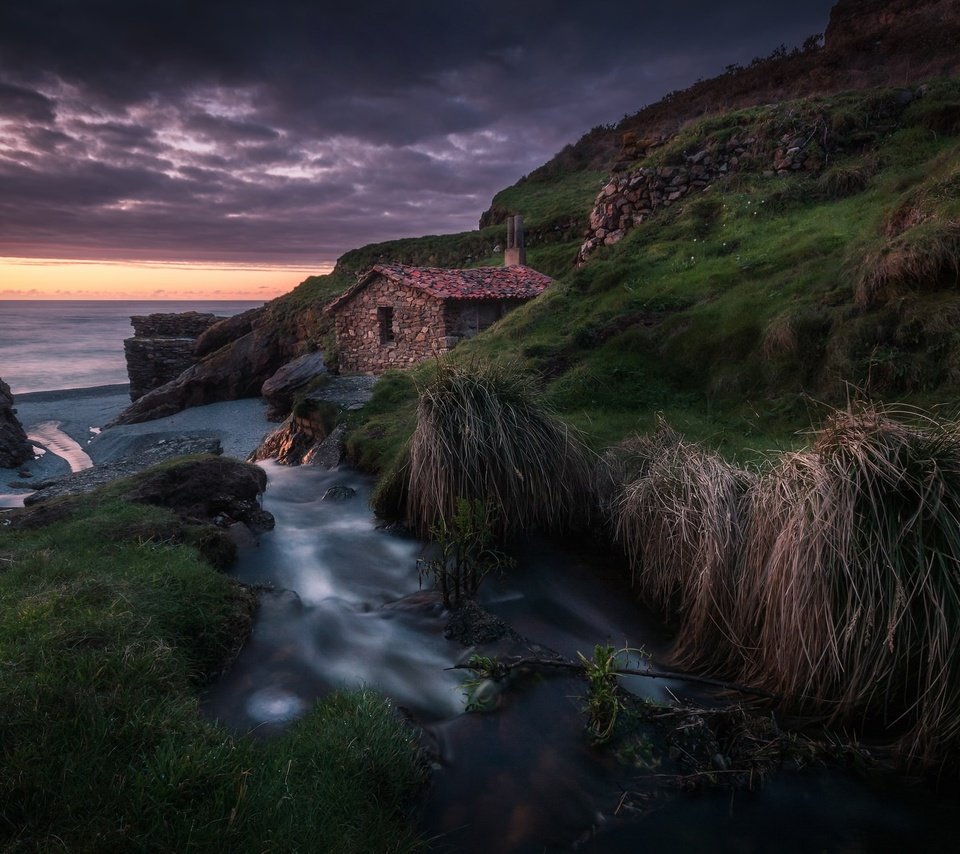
[(506, 665)]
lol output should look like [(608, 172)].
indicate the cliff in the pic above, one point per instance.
[(14, 447)]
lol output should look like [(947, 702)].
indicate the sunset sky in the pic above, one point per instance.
[(228, 149)]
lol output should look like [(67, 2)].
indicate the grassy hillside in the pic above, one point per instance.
[(737, 312)]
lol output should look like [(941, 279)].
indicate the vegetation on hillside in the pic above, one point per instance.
[(742, 311)]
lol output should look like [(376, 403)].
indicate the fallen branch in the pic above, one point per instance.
[(505, 666)]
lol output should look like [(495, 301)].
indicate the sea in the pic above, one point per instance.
[(49, 345)]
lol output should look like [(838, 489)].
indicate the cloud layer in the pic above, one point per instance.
[(284, 132)]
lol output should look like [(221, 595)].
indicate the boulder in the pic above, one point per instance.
[(281, 388), (14, 447), (205, 489)]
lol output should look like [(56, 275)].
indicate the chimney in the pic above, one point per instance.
[(515, 254)]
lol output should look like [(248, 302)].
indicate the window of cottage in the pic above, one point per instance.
[(385, 321)]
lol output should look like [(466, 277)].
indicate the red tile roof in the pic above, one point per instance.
[(516, 282)]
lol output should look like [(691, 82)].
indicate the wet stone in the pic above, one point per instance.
[(339, 493)]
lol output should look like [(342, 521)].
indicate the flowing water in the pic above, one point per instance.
[(347, 609)]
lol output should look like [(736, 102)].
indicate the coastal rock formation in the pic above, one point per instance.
[(14, 447), (281, 389), (163, 347), (311, 434), (227, 330), (228, 373)]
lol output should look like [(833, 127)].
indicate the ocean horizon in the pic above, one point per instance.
[(54, 345)]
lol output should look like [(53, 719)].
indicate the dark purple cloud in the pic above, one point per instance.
[(288, 132)]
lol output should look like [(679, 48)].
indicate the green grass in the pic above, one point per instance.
[(550, 199), (108, 630)]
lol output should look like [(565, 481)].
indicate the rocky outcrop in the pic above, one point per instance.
[(281, 389), (311, 435), (14, 447), (162, 348), (627, 200), (227, 330), (219, 489), (228, 373)]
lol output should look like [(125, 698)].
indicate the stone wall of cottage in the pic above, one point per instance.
[(162, 348), (418, 328)]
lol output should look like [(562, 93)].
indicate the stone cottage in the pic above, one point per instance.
[(396, 316)]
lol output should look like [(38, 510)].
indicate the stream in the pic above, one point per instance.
[(347, 609)]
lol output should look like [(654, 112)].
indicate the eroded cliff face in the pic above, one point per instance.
[(906, 40), (235, 370), (14, 447)]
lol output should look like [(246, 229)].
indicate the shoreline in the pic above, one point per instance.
[(83, 413), (53, 395)]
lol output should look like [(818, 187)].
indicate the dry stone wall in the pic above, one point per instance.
[(629, 199), (163, 347), (417, 328)]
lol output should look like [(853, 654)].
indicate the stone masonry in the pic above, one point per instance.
[(417, 327), (396, 315), (627, 200), (162, 348)]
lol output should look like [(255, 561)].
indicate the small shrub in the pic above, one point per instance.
[(466, 553), (603, 704)]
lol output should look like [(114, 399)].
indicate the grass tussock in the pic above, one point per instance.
[(850, 586), (482, 434), (926, 256), (847, 179), (779, 337), (678, 516)]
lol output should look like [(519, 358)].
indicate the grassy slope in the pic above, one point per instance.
[(734, 313), (107, 632)]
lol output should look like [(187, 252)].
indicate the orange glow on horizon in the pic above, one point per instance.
[(61, 279)]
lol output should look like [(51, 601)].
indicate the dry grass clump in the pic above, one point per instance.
[(482, 434), (926, 255), (848, 179), (851, 578), (779, 337), (678, 516)]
